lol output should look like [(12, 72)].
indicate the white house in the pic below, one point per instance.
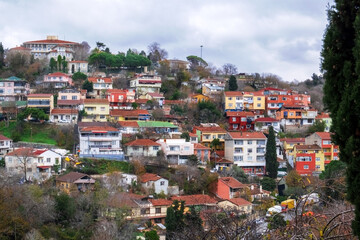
[(142, 148), (262, 124), (39, 163), (100, 85), (247, 150), (5, 145), (78, 66), (57, 80), (153, 182), (146, 84), (177, 151), (100, 142), (63, 115)]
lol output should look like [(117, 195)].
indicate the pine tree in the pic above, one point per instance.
[(233, 83), (270, 155), (2, 55), (341, 67)]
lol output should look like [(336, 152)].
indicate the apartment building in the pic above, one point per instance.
[(145, 83), (5, 145), (101, 85), (57, 80), (78, 66), (323, 139), (177, 151), (309, 159), (41, 101), (13, 89), (97, 110), (207, 132)]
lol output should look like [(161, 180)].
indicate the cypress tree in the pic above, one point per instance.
[(270, 155), (2, 55), (341, 68), (233, 83)]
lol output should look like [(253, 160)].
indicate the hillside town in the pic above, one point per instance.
[(134, 145)]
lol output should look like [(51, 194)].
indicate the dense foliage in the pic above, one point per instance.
[(270, 155)]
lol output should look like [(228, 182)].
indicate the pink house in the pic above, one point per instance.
[(202, 152), (57, 80)]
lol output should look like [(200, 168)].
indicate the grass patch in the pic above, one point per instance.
[(104, 166), (31, 132)]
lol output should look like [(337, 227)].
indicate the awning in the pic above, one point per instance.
[(44, 167)]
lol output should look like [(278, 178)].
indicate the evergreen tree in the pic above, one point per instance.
[(341, 68), (53, 64), (2, 56), (59, 62), (233, 83), (174, 220), (270, 155), (88, 86)]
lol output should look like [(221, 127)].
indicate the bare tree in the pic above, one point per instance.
[(82, 51), (229, 69), (23, 157), (156, 54)]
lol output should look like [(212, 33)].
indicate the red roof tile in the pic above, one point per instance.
[(324, 135), (128, 113), (95, 101), (160, 202), (70, 177), (39, 95), (99, 129), (24, 152), (231, 182), (308, 147), (239, 114), (266, 119), (57, 74), (239, 201), (247, 135), (69, 102), (142, 142), (51, 41), (95, 80), (3, 138), (197, 199), (20, 49), (147, 177), (64, 111), (133, 124), (210, 129), (78, 61), (322, 115), (292, 140), (200, 146), (233, 93)]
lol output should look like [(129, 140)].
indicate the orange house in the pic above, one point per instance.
[(227, 188)]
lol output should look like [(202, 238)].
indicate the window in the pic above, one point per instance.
[(74, 97), (336, 158), (230, 98), (317, 166), (260, 142), (29, 169), (303, 159), (250, 142), (238, 158), (230, 104), (259, 98), (326, 142), (238, 142), (249, 150), (102, 109), (249, 158), (306, 166), (135, 148), (145, 211), (155, 148), (258, 105), (102, 116), (186, 148), (238, 150), (318, 159), (260, 150), (63, 97), (162, 183), (48, 159), (157, 210), (260, 158), (233, 119), (10, 160), (207, 136), (335, 150)]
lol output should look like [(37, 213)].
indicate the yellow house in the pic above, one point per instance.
[(43, 101), (75, 182), (289, 143), (233, 100), (259, 101), (207, 132), (236, 100), (196, 98), (308, 158), (97, 110)]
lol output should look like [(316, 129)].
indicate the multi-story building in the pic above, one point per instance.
[(247, 150), (323, 139), (296, 115), (202, 153), (51, 47), (75, 182), (96, 110), (263, 124), (128, 127), (177, 151), (227, 188), (120, 99), (13, 89), (64, 115), (239, 101), (121, 115), (5, 145), (309, 159), (101, 85), (37, 163), (100, 142), (209, 89), (142, 148), (207, 132), (325, 117), (57, 80), (241, 120), (41, 101), (154, 183), (146, 84), (78, 66), (70, 98)]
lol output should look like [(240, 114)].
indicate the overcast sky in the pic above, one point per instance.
[(282, 37)]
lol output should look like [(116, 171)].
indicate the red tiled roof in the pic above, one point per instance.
[(193, 134), (37, 95), (156, 95), (55, 74), (231, 182), (64, 111), (27, 152), (51, 41), (99, 129), (71, 177), (239, 201), (116, 91), (147, 177), (20, 49), (197, 199), (210, 129), (94, 80), (78, 61), (3, 138), (239, 114), (292, 140), (308, 147), (133, 124), (223, 160), (233, 93), (173, 102), (200, 146), (39, 151), (247, 135), (322, 115), (123, 199), (92, 101), (324, 135), (128, 113), (160, 202), (266, 119), (142, 142), (69, 102)]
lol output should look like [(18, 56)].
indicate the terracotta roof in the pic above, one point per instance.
[(173, 102), (233, 93), (36, 95), (247, 135), (64, 111), (78, 61), (3, 138), (231, 182), (266, 119), (160, 202), (200, 146), (71, 177), (197, 199), (128, 113), (94, 101), (22, 152), (51, 41), (20, 49), (308, 147), (117, 91), (142, 142), (141, 101), (99, 129), (210, 129), (156, 95), (239, 201), (147, 177), (123, 199), (223, 160), (133, 124), (193, 134), (322, 115), (39, 151), (324, 135), (55, 74), (239, 114), (95, 80), (292, 140), (69, 102)]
